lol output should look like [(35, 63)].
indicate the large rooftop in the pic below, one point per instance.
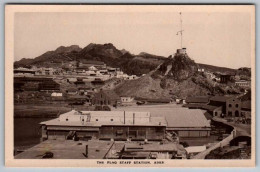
[(221, 98), (102, 118), (188, 118)]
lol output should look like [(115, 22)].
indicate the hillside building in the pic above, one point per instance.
[(131, 77), (92, 68), (56, 94), (98, 82), (224, 77), (79, 82), (51, 86), (181, 51), (127, 99), (85, 90), (200, 70), (89, 63), (72, 91), (45, 71), (243, 83), (24, 72)]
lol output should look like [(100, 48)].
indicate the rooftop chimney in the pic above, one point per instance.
[(133, 118), (124, 117)]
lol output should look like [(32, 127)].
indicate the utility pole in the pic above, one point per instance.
[(181, 29)]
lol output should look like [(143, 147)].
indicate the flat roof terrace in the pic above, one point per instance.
[(175, 115), (67, 149), (106, 118)]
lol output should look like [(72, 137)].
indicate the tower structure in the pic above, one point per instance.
[(180, 32)]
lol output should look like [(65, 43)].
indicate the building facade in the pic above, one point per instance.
[(105, 125), (243, 83), (233, 107)]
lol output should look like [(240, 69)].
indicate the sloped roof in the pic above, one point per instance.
[(220, 98), (201, 106), (208, 116), (141, 119), (184, 117), (197, 99)]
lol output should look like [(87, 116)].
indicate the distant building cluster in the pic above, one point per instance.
[(224, 78), (87, 70), (73, 81)]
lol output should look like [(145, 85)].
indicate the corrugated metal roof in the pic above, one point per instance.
[(197, 99), (221, 98), (71, 128), (187, 129), (182, 117), (201, 106), (153, 121)]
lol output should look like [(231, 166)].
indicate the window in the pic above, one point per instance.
[(67, 119), (229, 113), (216, 113), (236, 105), (237, 113), (230, 105), (119, 132), (111, 120), (96, 119)]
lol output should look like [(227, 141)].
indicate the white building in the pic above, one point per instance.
[(243, 83), (200, 70), (127, 99), (56, 94), (92, 68), (132, 77)]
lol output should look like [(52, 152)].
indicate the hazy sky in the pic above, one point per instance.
[(222, 39)]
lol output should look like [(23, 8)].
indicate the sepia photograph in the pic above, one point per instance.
[(130, 85)]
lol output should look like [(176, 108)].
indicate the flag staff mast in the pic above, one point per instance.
[(181, 29)]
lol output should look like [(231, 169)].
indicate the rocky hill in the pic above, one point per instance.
[(51, 58), (175, 77), (108, 53), (179, 68), (131, 64), (165, 77)]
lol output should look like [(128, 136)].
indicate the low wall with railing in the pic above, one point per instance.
[(222, 143)]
